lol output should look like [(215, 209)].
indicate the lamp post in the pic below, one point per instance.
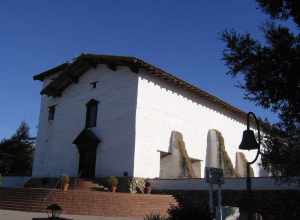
[(54, 211), (249, 143)]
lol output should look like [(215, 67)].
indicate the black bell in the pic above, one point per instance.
[(248, 142)]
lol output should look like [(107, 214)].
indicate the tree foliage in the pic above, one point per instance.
[(282, 9), (189, 212), (272, 80), (16, 153)]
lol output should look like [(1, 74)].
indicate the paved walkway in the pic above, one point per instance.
[(18, 215)]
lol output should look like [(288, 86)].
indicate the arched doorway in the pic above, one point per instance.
[(87, 143), (87, 161)]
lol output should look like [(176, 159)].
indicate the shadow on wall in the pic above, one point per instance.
[(241, 165), (176, 163), (217, 156)]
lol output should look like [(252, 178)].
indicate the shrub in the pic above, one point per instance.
[(154, 217), (45, 181), (65, 180), (189, 213), (112, 181), (137, 185), (147, 184)]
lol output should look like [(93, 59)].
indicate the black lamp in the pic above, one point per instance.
[(54, 211), (248, 142)]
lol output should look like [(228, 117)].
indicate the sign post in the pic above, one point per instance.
[(220, 202), (211, 205), (215, 176)]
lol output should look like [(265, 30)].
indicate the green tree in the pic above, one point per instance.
[(271, 72), (16, 153)]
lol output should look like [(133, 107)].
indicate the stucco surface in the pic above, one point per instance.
[(162, 108), (136, 116), (177, 163), (116, 92)]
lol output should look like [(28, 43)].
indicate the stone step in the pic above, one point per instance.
[(23, 206), (23, 203), (84, 184), (85, 202)]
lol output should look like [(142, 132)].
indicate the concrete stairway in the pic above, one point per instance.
[(23, 199), (85, 202), (84, 184)]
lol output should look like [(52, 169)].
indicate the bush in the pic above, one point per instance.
[(183, 213), (112, 181), (154, 217), (45, 181), (65, 180), (137, 185), (189, 213)]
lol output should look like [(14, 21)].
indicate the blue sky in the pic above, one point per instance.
[(182, 37)]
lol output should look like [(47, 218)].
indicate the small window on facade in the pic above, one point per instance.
[(51, 113), (93, 84), (91, 113)]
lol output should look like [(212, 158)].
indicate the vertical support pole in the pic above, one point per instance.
[(248, 179), (220, 203), (249, 215), (211, 205)]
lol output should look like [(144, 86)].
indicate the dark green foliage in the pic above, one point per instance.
[(281, 154), (112, 181), (154, 217), (271, 73), (16, 153), (282, 9), (189, 212), (183, 213)]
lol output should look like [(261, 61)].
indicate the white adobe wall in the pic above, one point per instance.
[(116, 92), (162, 108)]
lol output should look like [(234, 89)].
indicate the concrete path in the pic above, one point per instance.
[(18, 215)]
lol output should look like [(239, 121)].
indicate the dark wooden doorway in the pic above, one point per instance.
[(87, 143), (87, 162)]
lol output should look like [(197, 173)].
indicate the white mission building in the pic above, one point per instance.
[(111, 115)]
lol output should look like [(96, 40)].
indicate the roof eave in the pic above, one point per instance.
[(134, 64), (48, 73)]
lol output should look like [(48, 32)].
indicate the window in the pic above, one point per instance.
[(91, 113), (51, 113), (93, 84)]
